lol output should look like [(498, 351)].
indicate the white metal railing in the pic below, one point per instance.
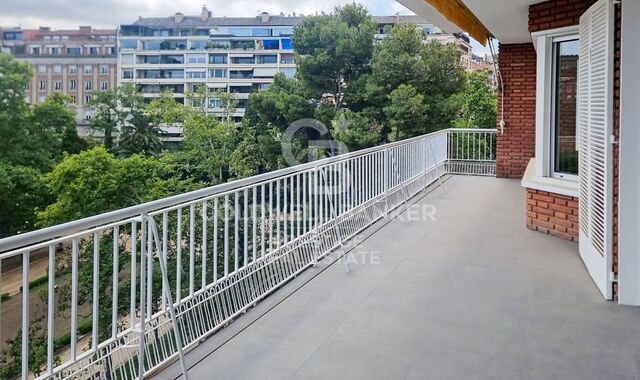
[(211, 253)]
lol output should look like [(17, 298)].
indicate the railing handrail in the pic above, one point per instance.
[(29, 238)]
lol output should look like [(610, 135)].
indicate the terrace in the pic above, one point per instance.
[(248, 279)]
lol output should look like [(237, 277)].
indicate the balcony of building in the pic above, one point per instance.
[(407, 260)]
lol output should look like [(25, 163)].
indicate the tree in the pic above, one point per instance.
[(477, 103), (112, 108), (334, 50), (54, 126), (356, 130), (21, 193), (95, 181), (406, 112)]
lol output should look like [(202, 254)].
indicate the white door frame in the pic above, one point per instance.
[(629, 175)]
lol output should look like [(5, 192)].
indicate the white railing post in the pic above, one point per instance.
[(143, 293), (385, 173), (168, 297)]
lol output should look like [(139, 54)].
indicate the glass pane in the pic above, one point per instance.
[(566, 156)]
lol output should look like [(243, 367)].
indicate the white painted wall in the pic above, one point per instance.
[(629, 206)]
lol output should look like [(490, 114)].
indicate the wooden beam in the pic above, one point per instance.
[(458, 13)]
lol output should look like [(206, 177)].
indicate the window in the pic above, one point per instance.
[(267, 59), (243, 60), (73, 85), (94, 50), (198, 45), (104, 69), (286, 44), (73, 99), (196, 74), (42, 69), (88, 69), (57, 69), (215, 103), (42, 85), (57, 85), (87, 115), (197, 58), (74, 51), (104, 85), (271, 44), (289, 72), (217, 73), (555, 167), (54, 50), (87, 99), (126, 59), (73, 69), (88, 85), (128, 44), (217, 58), (35, 50), (564, 155), (127, 74)]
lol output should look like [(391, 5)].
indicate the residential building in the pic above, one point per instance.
[(74, 62), (180, 53), (431, 33)]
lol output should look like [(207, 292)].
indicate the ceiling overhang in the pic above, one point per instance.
[(507, 21)]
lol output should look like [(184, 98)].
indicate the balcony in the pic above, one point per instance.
[(441, 278)]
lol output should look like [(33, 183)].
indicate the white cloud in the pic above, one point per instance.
[(110, 13)]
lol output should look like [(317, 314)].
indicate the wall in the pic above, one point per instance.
[(552, 214), (517, 145), (628, 241)]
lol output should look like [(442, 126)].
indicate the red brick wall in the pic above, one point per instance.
[(552, 214), (556, 14), (517, 145)]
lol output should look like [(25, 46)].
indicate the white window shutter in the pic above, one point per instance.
[(595, 126)]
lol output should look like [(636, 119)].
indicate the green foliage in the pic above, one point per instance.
[(356, 129), (21, 193), (477, 103), (95, 181), (333, 50), (406, 112)]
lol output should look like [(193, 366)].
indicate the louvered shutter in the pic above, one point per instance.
[(595, 120)]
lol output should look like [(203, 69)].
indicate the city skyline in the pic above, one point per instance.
[(69, 14)]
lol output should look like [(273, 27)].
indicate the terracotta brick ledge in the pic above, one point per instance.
[(552, 214)]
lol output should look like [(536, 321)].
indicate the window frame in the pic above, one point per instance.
[(545, 75), (553, 108)]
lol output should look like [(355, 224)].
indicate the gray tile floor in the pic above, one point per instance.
[(472, 294)]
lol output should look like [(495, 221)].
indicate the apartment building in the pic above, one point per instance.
[(180, 53), (431, 33), (75, 62), (234, 54)]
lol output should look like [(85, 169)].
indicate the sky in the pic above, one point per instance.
[(60, 14)]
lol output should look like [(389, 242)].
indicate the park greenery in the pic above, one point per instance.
[(366, 93)]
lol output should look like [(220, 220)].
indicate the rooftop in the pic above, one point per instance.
[(469, 294)]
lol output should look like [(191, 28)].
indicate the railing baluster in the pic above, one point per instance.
[(254, 212), (226, 235), (192, 248), (74, 298), (245, 217), (25, 314), (203, 252), (236, 239), (215, 239), (51, 307), (178, 254)]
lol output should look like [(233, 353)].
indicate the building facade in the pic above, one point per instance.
[(77, 63), (230, 54)]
